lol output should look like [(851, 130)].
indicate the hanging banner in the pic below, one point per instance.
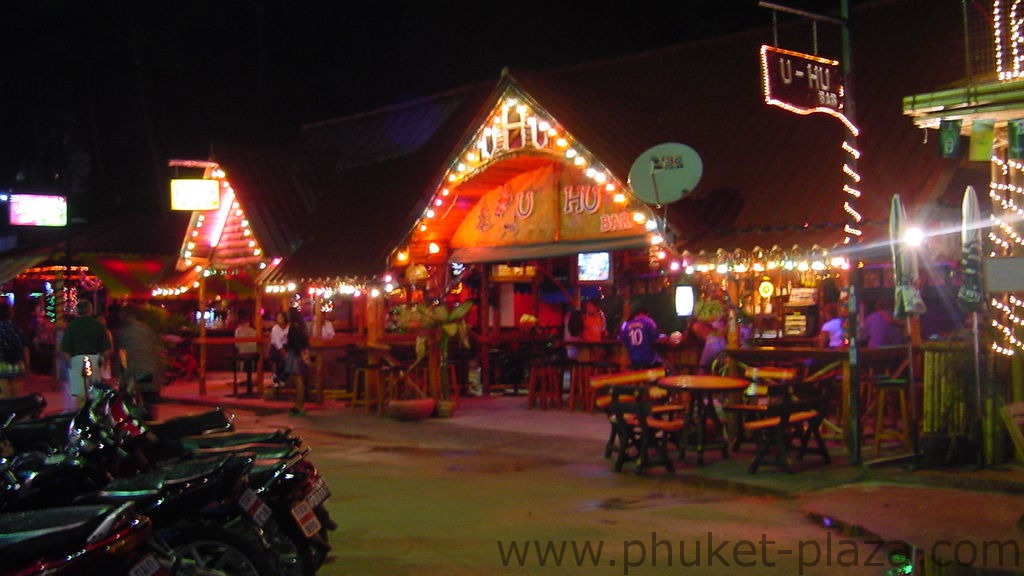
[(949, 138), (1015, 134), (982, 133)]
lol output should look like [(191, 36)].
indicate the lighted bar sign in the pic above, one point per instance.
[(802, 83), (195, 194)]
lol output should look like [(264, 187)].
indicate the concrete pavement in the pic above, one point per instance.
[(952, 512)]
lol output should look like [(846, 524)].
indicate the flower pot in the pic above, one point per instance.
[(410, 410), (445, 408)]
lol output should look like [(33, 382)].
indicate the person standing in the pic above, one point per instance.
[(297, 360), (879, 328), (84, 339), (833, 330), (594, 324), (275, 350), (142, 355), (13, 355), (639, 334)]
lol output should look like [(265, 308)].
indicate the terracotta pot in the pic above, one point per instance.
[(409, 410)]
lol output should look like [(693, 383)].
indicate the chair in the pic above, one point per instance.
[(644, 433), (581, 393), (888, 393), (366, 387)]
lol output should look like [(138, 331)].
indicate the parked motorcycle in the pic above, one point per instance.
[(202, 509), (85, 540), (22, 407)]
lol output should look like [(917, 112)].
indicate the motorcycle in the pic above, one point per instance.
[(283, 475), (201, 510), (22, 407)]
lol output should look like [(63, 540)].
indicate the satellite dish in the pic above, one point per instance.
[(665, 173)]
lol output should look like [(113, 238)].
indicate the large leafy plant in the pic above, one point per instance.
[(438, 323)]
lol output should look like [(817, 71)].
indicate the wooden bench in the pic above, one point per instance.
[(797, 415), (602, 385), (644, 429)]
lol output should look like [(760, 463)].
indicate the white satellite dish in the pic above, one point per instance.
[(665, 173)]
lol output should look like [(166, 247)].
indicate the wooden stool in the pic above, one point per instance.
[(545, 385), (891, 391), (365, 393)]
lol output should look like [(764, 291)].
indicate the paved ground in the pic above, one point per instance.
[(493, 441)]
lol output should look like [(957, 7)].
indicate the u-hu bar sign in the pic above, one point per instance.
[(802, 83)]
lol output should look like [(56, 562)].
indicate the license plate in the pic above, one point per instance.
[(148, 566), (318, 494), (306, 518), (254, 507)]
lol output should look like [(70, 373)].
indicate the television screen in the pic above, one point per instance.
[(594, 267), (37, 210), (684, 300)]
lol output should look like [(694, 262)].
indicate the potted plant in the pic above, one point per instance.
[(438, 325)]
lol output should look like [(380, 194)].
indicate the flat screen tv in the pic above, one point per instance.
[(594, 267), (37, 210)]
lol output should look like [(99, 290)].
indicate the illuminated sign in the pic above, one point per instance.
[(195, 194), (37, 210), (802, 83)]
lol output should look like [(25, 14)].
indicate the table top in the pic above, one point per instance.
[(703, 382), (800, 352)]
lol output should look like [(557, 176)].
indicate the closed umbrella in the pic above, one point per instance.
[(908, 301), (970, 294)]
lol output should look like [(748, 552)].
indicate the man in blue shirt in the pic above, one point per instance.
[(639, 334)]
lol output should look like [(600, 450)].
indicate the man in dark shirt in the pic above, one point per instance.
[(639, 334), (84, 338)]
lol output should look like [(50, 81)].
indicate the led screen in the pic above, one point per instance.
[(37, 210)]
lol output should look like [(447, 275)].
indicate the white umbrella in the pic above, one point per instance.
[(970, 293), (904, 265), (908, 301)]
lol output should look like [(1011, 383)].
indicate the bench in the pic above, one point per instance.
[(796, 415), (644, 428), (603, 384)]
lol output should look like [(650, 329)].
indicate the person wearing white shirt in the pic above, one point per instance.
[(278, 338)]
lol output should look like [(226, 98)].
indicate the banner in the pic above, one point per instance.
[(949, 138), (1015, 130), (982, 133)]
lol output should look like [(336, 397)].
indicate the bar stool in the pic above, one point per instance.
[(544, 388), (891, 395), (366, 387)]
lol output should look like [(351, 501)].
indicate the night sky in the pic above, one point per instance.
[(96, 96)]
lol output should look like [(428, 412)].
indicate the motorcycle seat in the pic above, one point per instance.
[(32, 534), (221, 440), (258, 451), (212, 421), (26, 406)]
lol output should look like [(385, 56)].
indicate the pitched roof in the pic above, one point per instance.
[(350, 188)]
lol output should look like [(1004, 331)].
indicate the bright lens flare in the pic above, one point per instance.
[(914, 237)]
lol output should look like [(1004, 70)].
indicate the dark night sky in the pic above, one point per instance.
[(105, 92)]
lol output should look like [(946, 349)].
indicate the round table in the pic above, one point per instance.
[(702, 389)]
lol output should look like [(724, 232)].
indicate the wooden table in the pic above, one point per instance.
[(829, 359), (702, 390)]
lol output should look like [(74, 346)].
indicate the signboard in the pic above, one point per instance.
[(802, 83), (195, 194), (37, 210), (1004, 275)]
